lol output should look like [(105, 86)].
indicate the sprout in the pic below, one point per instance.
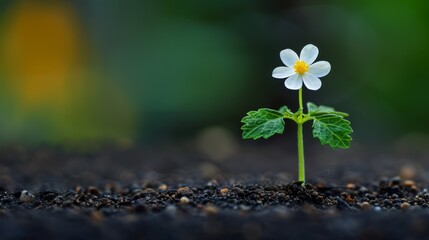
[(329, 126)]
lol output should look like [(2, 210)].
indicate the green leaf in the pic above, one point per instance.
[(262, 123), (315, 110), (286, 111), (332, 129)]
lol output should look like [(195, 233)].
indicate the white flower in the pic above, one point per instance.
[(302, 69)]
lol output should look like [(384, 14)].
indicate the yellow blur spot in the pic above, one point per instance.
[(41, 50), (53, 91), (300, 67)]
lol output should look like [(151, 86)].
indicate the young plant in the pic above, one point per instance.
[(329, 126)]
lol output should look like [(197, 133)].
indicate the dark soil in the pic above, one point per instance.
[(179, 194)]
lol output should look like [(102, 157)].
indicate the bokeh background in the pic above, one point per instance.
[(150, 71)]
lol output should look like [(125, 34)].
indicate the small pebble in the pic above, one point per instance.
[(162, 187), (395, 181), (224, 191), (212, 183), (78, 189), (93, 190), (383, 181), (349, 198), (26, 196), (149, 190), (377, 209), (409, 183), (238, 191), (387, 203), (184, 191), (350, 186), (184, 200), (405, 206), (136, 193), (365, 205)]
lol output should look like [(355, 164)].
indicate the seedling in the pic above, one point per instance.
[(329, 126)]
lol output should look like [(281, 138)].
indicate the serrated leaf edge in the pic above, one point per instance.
[(272, 111), (348, 131)]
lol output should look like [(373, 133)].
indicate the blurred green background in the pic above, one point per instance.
[(108, 70)]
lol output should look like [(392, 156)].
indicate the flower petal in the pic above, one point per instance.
[(283, 72), (289, 57), (312, 82), (294, 82), (309, 53), (320, 69)]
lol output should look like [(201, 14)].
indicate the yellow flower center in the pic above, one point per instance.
[(300, 67)]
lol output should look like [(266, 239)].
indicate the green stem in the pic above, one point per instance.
[(301, 165)]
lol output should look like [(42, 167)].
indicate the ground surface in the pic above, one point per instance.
[(182, 193)]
